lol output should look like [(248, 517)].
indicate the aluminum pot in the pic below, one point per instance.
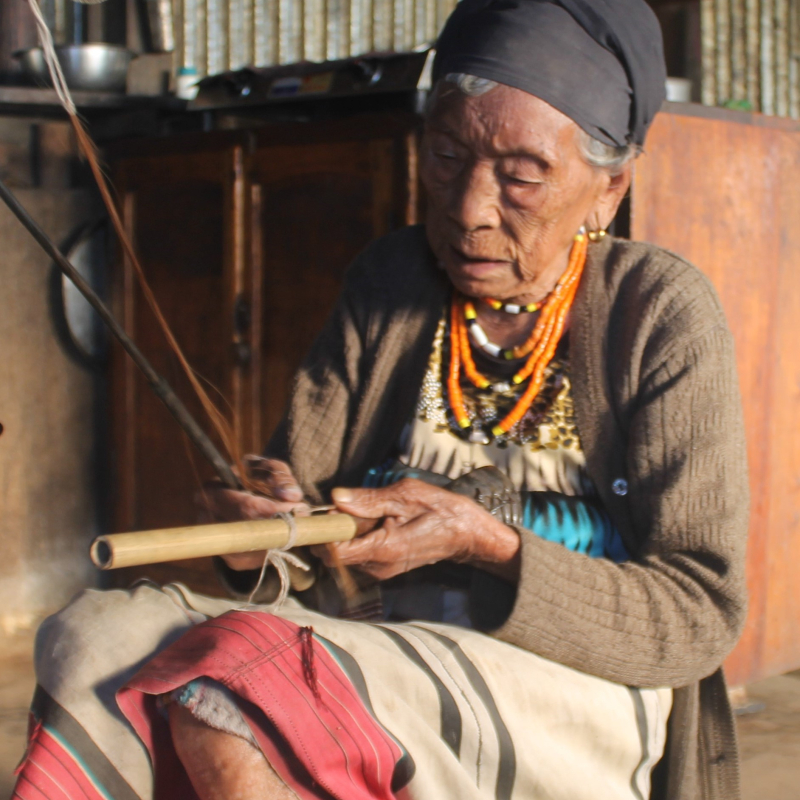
[(86, 67)]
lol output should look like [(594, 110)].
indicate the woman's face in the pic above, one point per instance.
[(508, 190)]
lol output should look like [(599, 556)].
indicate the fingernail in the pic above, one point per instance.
[(289, 492), (341, 495)]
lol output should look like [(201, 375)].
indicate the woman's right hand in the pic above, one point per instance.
[(220, 504)]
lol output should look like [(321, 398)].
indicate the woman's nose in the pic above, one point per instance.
[(475, 199)]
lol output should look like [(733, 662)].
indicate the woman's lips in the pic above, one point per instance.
[(476, 265)]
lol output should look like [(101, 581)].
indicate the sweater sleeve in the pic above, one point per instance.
[(669, 616)]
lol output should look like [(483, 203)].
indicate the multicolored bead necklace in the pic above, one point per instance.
[(512, 308), (541, 345)]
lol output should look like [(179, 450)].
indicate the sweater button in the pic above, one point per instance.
[(620, 487)]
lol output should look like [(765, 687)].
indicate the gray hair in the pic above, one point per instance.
[(594, 152)]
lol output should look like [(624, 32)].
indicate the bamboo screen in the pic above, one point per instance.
[(750, 54), (217, 35)]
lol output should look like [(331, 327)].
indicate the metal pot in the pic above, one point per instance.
[(86, 67)]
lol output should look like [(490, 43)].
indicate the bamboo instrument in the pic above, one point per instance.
[(117, 550)]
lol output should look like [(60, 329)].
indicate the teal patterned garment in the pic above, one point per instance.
[(578, 523)]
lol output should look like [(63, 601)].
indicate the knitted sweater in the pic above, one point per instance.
[(658, 411)]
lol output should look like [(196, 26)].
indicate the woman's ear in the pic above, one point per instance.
[(605, 208)]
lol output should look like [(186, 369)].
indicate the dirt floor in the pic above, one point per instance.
[(769, 738)]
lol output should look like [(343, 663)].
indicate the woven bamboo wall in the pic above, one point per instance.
[(751, 50), (216, 35)]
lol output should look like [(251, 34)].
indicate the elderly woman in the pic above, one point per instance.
[(547, 420)]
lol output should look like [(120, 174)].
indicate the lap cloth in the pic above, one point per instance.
[(341, 708)]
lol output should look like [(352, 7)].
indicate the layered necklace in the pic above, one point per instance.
[(540, 347)]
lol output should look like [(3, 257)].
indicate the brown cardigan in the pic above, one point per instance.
[(657, 404)]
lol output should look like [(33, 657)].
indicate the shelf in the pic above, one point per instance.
[(36, 100)]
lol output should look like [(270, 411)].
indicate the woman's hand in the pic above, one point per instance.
[(413, 524), (219, 504)]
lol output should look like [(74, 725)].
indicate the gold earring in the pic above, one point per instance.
[(596, 236)]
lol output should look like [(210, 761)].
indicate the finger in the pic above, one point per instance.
[(277, 475), (392, 501), (229, 505), (377, 546)]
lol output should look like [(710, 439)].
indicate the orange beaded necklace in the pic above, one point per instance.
[(541, 345)]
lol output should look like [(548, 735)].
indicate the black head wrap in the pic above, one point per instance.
[(600, 62)]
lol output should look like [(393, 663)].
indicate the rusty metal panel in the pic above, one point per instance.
[(725, 194)]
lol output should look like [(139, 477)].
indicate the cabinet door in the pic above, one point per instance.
[(315, 206), (180, 210)]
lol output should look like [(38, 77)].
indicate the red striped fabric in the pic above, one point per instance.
[(284, 672), (49, 772)]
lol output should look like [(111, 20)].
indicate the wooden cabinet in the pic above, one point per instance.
[(245, 236)]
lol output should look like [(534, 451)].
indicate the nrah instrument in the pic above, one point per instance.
[(116, 550)]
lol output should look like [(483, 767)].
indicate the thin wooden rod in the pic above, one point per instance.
[(161, 388)]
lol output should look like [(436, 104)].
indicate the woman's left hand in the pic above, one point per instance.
[(412, 523)]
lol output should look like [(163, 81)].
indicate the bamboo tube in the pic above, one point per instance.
[(117, 550)]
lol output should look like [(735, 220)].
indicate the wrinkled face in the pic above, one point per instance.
[(507, 191)]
